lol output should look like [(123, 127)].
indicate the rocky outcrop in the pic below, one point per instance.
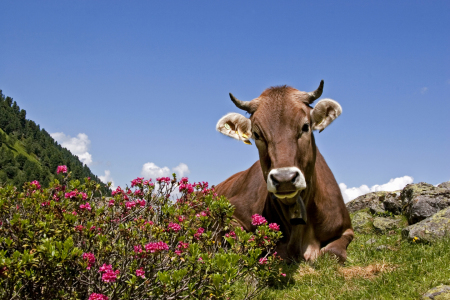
[(422, 200), (377, 203), (441, 292), (362, 222), (430, 229), (425, 206), (382, 225)]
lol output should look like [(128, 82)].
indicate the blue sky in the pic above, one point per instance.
[(125, 84)]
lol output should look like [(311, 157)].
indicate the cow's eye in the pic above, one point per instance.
[(305, 128), (256, 135)]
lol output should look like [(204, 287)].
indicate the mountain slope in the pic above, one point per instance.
[(28, 152)]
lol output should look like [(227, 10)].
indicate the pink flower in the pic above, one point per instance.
[(141, 202), (258, 220), (105, 268), (283, 274), (174, 226), (154, 247), (35, 184), (130, 204), (110, 276), (95, 296), (91, 259), (163, 179), (83, 195), (61, 169), (79, 227), (184, 186), (117, 191), (181, 247), (202, 214), (136, 181), (138, 249), (263, 261), (232, 234), (274, 226), (181, 219), (140, 273), (199, 233), (71, 194), (148, 222), (86, 206), (111, 202)]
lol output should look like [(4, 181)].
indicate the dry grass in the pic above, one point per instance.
[(368, 272), (304, 270)]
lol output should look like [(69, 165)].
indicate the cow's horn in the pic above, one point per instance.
[(244, 105), (316, 94)]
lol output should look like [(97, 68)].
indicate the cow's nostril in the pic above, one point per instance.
[(275, 182), (295, 177)]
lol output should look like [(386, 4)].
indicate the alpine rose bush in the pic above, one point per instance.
[(71, 242)]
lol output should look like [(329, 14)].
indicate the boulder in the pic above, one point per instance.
[(444, 185), (441, 292), (422, 200), (382, 225), (362, 222), (430, 229), (377, 203)]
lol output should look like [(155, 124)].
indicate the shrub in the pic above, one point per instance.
[(70, 242)]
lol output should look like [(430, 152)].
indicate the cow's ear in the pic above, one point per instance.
[(324, 113), (236, 126)]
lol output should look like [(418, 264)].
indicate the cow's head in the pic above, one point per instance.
[(281, 124)]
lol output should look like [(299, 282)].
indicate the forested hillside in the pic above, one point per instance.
[(28, 152)]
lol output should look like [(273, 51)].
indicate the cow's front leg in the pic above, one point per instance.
[(339, 247), (310, 245)]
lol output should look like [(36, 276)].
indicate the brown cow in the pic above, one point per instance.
[(291, 184)]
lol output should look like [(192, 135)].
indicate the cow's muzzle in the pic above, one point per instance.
[(286, 182)]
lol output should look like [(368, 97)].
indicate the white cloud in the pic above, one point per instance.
[(393, 185), (151, 170), (423, 90), (181, 170), (107, 178), (78, 145)]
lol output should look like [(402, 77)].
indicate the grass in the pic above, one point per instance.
[(397, 270)]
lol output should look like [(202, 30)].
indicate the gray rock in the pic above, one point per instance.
[(430, 229), (371, 241), (422, 200), (362, 222), (377, 208), (393, 203), (381, 247), (377, 203), (441, 292), (382, 225)]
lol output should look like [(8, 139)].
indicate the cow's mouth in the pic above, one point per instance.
[(286, 195)]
